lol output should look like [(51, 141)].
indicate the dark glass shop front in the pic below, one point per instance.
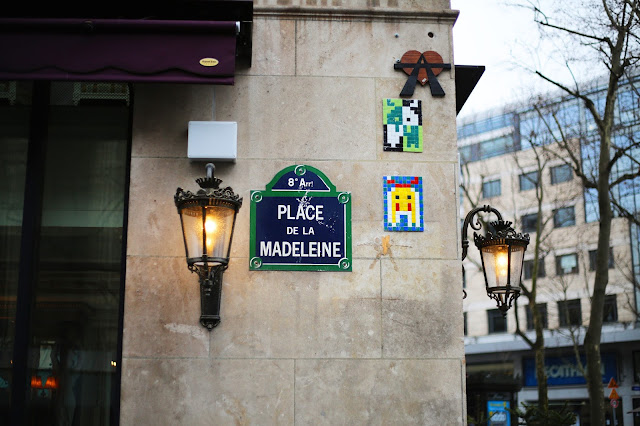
[(64, 160)]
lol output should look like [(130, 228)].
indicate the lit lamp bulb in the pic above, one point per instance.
[(502, 264), (210, 227)]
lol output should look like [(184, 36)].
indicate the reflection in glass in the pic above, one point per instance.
[(74, 324), (14, 133)]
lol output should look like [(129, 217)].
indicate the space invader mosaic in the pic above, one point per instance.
[(403, 205), (402, 122)]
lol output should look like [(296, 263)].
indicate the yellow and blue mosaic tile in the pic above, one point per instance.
[(403, 203)]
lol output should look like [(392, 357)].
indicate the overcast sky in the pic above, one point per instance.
[(494, 34)]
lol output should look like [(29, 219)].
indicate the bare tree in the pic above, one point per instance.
[(609, 29), (537, 151), (531, 291)]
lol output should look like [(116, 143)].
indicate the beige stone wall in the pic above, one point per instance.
[(379, 345)]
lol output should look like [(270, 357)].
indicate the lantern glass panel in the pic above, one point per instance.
[(517, 258), (496, 265), (218, 227), (192, 230)]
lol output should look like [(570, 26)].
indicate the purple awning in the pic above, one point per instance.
[(118, 50)]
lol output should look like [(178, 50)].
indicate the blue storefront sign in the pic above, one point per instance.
[(300, 222), (563, 371), (498, 413)]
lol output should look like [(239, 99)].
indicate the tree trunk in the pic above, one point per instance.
[(541, 374), (594, 331)]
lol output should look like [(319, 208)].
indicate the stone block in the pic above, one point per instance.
[(207, 392), (161, 115), (273, 48), (162, 309), (154, 223), (371, 243), (379, 392), (421, 306), (301, 118), (343, 48), (275, 314)]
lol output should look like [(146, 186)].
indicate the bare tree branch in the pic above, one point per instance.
[(625, 213), (575, 32), (620, 152), (624, 177), (575, 162)]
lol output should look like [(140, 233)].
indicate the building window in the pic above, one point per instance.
[(610, 309), (73, 137), (542, 309), (570, 312), (491, 189), (528, 180), (563, 217), (495, 147), (561, 174), (529, 222), (469, 154), (592, 259), (497, 323), (528, 268), (567, 264)]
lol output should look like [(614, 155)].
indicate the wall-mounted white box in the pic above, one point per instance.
[(213, 140)]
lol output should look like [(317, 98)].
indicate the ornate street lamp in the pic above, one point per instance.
[(502, 253), (208, 219)]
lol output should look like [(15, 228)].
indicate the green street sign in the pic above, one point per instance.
[(300, 222)]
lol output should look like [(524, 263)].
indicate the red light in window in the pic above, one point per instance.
[(36, 382), (50, 383)]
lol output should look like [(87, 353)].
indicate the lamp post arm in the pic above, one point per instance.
[(210, 170), (474, 225)]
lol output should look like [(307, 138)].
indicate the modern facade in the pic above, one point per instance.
[(501, 168), (99, 312)]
